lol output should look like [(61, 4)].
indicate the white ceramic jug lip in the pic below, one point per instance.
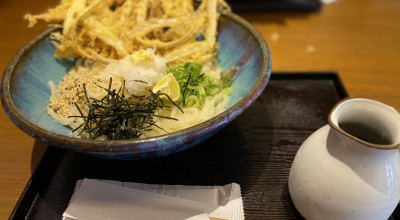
[(333, 123)]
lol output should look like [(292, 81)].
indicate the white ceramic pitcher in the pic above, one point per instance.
[(350, 168)]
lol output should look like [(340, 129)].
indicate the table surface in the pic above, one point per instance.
[(359, 39)]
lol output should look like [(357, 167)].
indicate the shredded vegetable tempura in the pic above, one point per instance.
[(108, 30)]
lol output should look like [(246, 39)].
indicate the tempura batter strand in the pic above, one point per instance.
[(109, 30)]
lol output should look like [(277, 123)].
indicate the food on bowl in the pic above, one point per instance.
[(143, 68), (108, 30)]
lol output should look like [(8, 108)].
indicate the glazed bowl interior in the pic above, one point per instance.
[(25, 93)]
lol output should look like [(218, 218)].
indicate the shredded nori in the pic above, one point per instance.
[(118, 117)]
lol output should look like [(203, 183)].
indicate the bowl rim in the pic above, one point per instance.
[(140, 145)]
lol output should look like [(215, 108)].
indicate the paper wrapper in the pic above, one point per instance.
[(104, 199)]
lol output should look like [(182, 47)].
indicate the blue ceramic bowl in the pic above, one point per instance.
[(25, 94)]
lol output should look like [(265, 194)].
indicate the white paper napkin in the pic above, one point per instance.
[(104, 199)]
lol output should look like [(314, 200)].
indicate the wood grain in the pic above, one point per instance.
[(359, 39)]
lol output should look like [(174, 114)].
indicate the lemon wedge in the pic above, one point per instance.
[(169, 86)]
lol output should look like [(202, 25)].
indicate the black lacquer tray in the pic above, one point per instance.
[(256, 151)]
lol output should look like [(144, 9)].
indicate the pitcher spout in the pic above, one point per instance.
[(368, 122)]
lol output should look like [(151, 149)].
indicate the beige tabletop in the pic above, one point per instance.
[(360, 39)]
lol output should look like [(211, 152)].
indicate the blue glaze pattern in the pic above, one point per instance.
[(25, 94)]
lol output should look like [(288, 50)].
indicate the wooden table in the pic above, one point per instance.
[(359, 39)]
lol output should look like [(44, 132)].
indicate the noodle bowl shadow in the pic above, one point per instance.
[(25, 94)]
